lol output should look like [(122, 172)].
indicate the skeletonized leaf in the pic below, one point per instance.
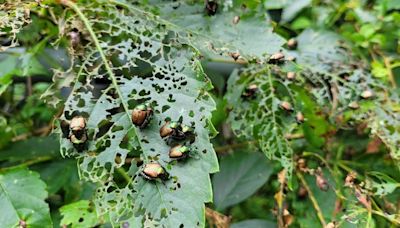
[(260, 116), (133, 59)]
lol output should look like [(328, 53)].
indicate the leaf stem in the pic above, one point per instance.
[(88, 26), (312, 198)]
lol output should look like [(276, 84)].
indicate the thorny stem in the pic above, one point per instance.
[(312, 198)]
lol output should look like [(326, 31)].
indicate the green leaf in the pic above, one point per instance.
[(32, 148), (292, 8), (22, 196), (383, 184), (327, 64), (254, 223), (65, 171), (141, 61), (252, 37), (241, 175), (261, 117), (79, 214)]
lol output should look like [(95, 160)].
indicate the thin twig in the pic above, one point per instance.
[(29, 86), (312, 198)]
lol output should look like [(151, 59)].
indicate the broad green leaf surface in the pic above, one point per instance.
[(22, 196), (254, 223), (140, 61), (292, 8), (32, 148), (79, 214), (241, 175)]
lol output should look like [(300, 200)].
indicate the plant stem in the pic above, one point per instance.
[(312, 198), (28, 163)]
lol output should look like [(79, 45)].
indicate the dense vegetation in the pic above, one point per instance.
[(241, 113)]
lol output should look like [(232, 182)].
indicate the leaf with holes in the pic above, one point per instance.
[(251, 37), (261, 115), (79, 214), (132, 59), (22, 196), (327, 65)]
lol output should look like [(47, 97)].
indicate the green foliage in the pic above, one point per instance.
[(79, 214), (240, 176), (265, 115), (22, 196)]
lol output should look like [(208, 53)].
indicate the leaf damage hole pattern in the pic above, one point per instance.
[(150, 65)]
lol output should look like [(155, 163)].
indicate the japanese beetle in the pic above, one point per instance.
[(77, 126), (367, 94), (79, 144), (211, 7), (291, 75), (291, 58), (74, 38), (354, 105), (168, 129), (299, 117), (77, 133), (174, 131), (250, 91), (292, 43), (153, 171), (276, 58), (179, 152), (321, 182), (236, 20), (235, 55), (141, 115), (286, 106)]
